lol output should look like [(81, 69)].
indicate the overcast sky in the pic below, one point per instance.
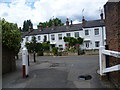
[(17, 11)]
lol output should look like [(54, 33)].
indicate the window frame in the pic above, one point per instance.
[(96, 31), (77, 34), (68, 35), (60, 37), (52, 37), (87, 44), (97, 44), (87, 32), (39, 37)]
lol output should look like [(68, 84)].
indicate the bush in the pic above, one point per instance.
[(55, 50), (11, 36)]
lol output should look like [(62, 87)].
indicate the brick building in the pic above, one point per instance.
[(112, 20)]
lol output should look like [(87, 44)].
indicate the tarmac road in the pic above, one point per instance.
[(57, 72)]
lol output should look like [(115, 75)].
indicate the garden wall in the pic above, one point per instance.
[(8, 60)]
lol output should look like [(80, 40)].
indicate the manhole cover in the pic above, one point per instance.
[(85, 77)]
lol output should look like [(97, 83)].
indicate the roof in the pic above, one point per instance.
[(24, 34), (74, 27), (94, 23)]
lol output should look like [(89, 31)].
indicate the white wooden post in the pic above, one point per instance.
[(102, 60), (25, 62)]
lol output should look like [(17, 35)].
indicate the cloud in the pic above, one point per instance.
[(76, 22), (42, 10)]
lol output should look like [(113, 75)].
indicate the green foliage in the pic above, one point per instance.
[(51, 22), (33, 46), (46, 46), (26, 25), (80, 40), (55, 50), (11, 36), (40, 53), (73, 41)]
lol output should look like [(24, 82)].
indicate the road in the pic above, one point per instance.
[(57, 72)]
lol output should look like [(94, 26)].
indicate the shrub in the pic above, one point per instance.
[(40, 53), (55, 50)]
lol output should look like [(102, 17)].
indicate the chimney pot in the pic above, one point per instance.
[(67, 22), (71, 22), (83, 20), (40, 27), (101, 15)]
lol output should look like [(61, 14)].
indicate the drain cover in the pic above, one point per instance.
[(85, 77)]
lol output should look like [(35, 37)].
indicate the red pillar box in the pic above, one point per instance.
[(24, 62)]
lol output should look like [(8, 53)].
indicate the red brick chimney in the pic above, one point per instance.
[(40, 27), (83, 20), (67, 22)]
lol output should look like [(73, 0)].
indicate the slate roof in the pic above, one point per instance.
[(74, 27), (24, 34), (94, 23)]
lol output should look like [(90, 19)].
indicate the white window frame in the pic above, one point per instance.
[(68, 34), (77, 34), (59, 36), (52, 37), (86, 34), (87, 44), (97, 43), (96, 31), (39, 37)]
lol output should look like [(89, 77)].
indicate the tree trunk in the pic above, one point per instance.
[(17, 56), (34, 57)]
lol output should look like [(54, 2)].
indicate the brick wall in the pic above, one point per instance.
[(8, 60), (112, 20)]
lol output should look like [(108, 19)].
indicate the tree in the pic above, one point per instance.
[(26, 25), (46, 46), (52, 22), (73, 41), (11, 36), (55, 50), (34, 47)]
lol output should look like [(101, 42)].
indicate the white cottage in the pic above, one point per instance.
[(93, 33)]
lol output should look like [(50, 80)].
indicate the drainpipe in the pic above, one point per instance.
[(102, 36)]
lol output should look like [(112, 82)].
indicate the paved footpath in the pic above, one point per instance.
[(57, 72)]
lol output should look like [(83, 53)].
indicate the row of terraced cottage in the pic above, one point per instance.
[(92, 31)]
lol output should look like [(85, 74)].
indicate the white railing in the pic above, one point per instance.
[(102, 60)]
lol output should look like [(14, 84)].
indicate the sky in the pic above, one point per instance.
[(16, 11)]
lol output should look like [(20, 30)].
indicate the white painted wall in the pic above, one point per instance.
[(91, 37)]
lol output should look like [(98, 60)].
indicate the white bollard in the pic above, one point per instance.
[(25, 62)]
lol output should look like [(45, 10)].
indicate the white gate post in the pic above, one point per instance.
[(25, 62), (102, 60)]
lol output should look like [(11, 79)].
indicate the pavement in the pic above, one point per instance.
[(57, 72)]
